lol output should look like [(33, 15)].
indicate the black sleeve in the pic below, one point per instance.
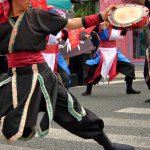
[(65, 33), (45, 22)]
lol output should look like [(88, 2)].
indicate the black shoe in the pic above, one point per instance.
[(147, 101), (86, 93), (116, 146), (104, 141), (132, 91)]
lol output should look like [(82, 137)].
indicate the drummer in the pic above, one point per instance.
[(109, 61)]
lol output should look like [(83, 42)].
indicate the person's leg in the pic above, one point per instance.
[(82, 122), (128, 69), (147, 101), (88, 89), (146, 71), (91, 73), (129, 88), (103, 140), (64, 76), (90, 85)]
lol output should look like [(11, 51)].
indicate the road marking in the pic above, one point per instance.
[(13, 147), (118, 81), (136, 141), (61, 134), (127, 123), (133, 110), (112, 82)]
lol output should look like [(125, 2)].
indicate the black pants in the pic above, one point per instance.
[(64, 76), (89, 127), (146, 73), (49, 96), (126, 68)]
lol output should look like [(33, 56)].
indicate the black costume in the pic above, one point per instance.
[(111, 59), (3, 64), (30, 89), (147, 56)]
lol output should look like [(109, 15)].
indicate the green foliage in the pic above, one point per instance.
[(87, 8)]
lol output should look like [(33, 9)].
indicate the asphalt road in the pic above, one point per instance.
[(126, 117)]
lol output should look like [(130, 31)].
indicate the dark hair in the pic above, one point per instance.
[(10, 1)]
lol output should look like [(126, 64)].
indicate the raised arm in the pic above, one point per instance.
[(90, 20)]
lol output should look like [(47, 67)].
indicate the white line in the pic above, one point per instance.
[(136, 141), (117, 81), (135, 110), (61, 134), (127, 123), (112, 82), (12, 147)]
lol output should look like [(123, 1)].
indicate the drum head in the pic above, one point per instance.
[(127, 15)]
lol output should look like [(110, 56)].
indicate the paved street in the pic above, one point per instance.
[(127, 120)]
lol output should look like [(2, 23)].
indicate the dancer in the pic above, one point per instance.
[(55, 60), (147, 54), (146, 71), (109, 61), (54, 57), (146, 64), (31, 87)]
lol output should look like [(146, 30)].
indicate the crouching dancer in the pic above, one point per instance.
[(31, 87)]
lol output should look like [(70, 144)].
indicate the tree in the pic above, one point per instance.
[(86, 8)]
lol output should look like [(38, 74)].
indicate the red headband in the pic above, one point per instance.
[(4, 10)]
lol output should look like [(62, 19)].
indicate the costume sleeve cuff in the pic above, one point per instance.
[(91, 20)]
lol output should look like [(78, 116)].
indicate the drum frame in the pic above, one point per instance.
[(113, 22)]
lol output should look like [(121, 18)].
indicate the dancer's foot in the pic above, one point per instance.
[(86, 93), (132, 91), (147, 101), (104, 141), (116, 146)]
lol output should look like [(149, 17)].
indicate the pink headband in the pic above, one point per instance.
[(4, 10)]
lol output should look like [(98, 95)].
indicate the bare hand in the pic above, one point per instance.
[(104, 25), (105, 13)]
